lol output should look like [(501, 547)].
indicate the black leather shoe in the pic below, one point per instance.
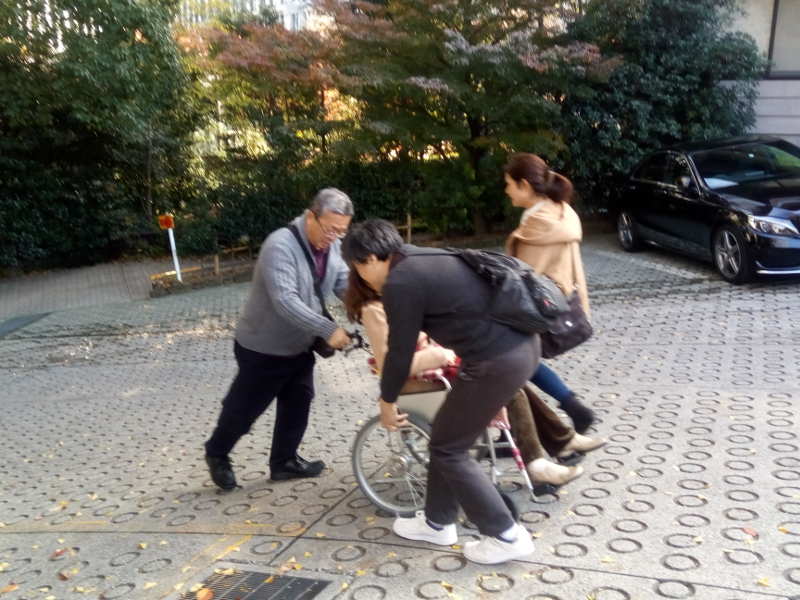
[(219, 467), (297, 468)]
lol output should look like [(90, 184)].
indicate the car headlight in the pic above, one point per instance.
[(772, 225)]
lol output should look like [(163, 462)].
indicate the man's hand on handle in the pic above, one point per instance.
[(391, 418), (339, 339)]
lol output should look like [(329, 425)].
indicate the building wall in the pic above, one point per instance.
[(778, 109), (778, 105), (757, 21), (786, 50), (295, 13)]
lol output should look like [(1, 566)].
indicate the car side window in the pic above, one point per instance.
[(678, 171), (654, 169)]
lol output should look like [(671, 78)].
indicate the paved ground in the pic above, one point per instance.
[(44, 292), (104, 494)]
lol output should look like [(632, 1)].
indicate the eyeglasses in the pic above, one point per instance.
[(330, 232)]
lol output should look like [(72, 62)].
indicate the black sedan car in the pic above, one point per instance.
[(735, 202)]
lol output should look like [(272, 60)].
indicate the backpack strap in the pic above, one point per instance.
[(314, 276)]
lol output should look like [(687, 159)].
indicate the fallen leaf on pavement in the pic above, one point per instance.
[(204, 594), (9, 588), (82, 590)]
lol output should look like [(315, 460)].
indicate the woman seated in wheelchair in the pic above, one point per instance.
[(538, 430), (431, 290)]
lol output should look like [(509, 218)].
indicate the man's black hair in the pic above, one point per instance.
[(373, 236)]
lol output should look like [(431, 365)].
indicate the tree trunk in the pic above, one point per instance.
[(476, 129), (479, 223), (323, 135), (149, 207)]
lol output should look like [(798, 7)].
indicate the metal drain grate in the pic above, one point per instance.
[(247, 585)]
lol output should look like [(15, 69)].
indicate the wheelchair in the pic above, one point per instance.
[(391, 468)]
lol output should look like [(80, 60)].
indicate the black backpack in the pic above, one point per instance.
[(522, 299)]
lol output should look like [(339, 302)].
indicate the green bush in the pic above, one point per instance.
[(95, 138), (674, 72), (93, 128), (259, 196)]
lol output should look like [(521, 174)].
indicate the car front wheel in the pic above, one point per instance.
[(732, 255), (626, 232)]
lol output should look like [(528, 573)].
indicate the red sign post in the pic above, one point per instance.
[(168, 222)]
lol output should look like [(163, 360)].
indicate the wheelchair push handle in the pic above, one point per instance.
[(356, 341)]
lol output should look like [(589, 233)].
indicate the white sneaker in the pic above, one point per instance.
[(417, 528), (492, 550)]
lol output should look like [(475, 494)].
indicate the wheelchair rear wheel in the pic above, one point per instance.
[(391, 467)]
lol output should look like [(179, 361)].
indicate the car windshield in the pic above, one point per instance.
[(726, 167)]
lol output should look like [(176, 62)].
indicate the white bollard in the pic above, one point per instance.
[(174, 254)]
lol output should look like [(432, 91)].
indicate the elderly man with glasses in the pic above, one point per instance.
[(280, 323)]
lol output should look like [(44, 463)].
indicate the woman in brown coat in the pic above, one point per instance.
[(548, 239)]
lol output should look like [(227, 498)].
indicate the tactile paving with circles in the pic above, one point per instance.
[(103, 485)]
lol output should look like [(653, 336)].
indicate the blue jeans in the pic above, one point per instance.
[(550, 383)]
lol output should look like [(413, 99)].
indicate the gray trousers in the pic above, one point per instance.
[(454, 478)]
